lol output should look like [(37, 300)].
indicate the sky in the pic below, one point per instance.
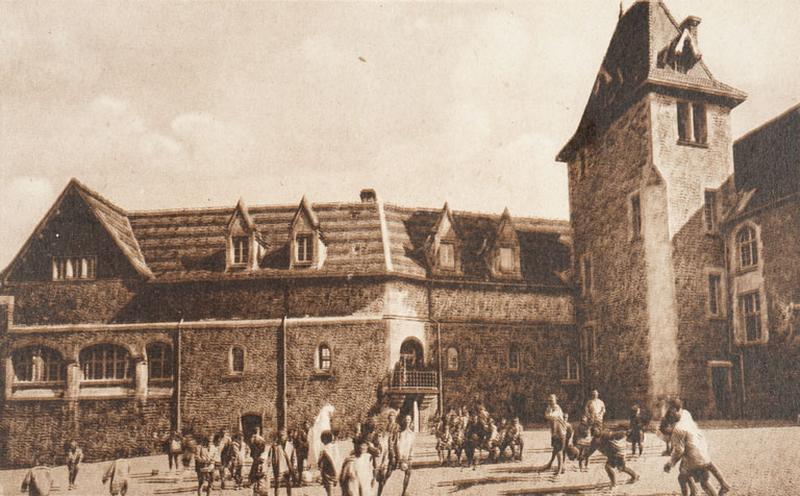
[(174, 105)]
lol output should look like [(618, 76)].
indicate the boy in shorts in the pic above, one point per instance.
[(611, 444)]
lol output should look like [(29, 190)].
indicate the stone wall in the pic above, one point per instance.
[(616, 307)]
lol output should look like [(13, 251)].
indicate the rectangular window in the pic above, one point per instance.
[(636, 216), (237, 360), (513, 358), (447, 258), (699, 121), (304, 252), (750, 305), (68, 268), (587, 275), (684, 121), (710, 210), (714, 294), (241, 249), (589, 342), (571, 373), (506, 259)]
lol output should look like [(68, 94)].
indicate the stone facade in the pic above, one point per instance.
[(245, 342), (656, 207)]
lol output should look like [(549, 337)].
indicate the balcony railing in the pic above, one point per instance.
[(414, 379)]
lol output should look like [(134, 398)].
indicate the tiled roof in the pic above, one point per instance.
[(118, 226), (190, 244), (642, 36)]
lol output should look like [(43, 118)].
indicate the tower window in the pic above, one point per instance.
[(710, 210), (692, 123), (714, 294), (751, 316), (747, 245), (636, 216)]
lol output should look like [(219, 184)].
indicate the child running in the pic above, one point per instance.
[(612, 445)]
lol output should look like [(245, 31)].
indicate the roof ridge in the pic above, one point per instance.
[(94, 194), (768, 123)]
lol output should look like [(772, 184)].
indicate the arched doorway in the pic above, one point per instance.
[(411, 354)]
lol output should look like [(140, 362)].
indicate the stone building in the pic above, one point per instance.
[(666, 296), (117, 325)]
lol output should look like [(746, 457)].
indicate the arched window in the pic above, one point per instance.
[(323, 359), (236, 360), (452, 359), (747, 245), (105, 362), (37, 364), (159, 361), (572, 369), (513, 357)]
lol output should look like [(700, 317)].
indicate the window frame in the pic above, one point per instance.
[(752, 247), (240, 250), (441, 261), (309, 251), (63, 268), (232, 370), (572, 374), (514, 358), (756, 316), (692, 122), (111, 356), (699, 123), (164, 360), (320, 360), (511, 258), (449, 359), (590, 341), (718, 297), (636, 223), (587, 282), (711, 210)]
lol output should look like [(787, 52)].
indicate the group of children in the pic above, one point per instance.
[(471, 433)]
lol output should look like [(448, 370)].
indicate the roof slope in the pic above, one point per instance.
[(635, 59)]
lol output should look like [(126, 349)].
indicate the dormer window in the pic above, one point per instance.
[(304, 249), (242, 236), (69, 268), (447, 256), (507, 259), (692, 123), (241, 249)]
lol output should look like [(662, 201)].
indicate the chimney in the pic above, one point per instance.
[(691, 24), (368, 196)]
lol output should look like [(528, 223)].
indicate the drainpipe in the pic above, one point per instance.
[(284, 403), (440, 368), (178, 346), (731, 300)]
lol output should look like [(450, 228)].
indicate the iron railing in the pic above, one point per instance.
[(414, 379)]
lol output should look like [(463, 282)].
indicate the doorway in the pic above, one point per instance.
[(721, 389), (411, 354), (250, 425)]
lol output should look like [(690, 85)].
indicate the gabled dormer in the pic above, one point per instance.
[(306, 243), (502, 253), (443, 245), (243, 250)]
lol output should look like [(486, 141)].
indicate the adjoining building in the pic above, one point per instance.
[(686, 246), (117, 325)]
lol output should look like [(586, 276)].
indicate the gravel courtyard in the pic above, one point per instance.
[(756, 461)]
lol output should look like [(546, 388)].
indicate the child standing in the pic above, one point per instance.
[(237, 460), (636, 429), (583, 441), (74, 458), (328, 465)]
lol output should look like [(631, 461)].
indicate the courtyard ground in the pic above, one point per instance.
[(755, 460)]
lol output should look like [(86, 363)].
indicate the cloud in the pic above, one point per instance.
[(25, 201)]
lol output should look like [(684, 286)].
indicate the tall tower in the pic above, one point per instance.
[(645, 165)]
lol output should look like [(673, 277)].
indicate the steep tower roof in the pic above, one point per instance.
[(649, 49)]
